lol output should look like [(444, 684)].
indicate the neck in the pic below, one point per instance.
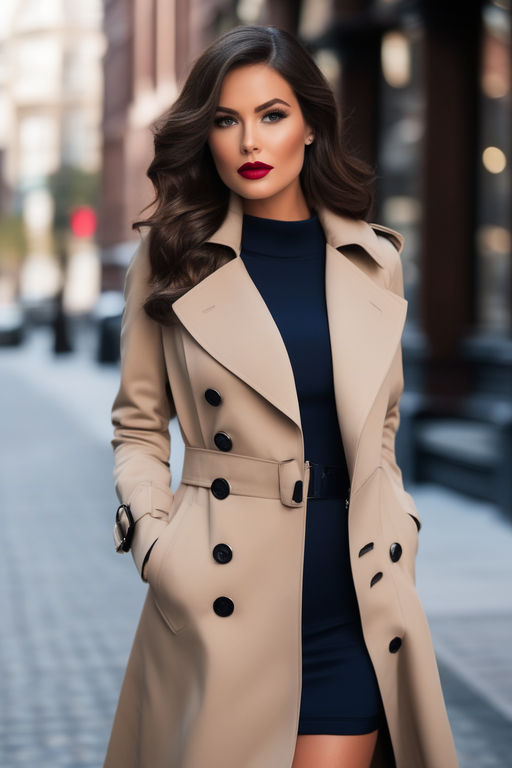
[(288, 207), (302, 238)]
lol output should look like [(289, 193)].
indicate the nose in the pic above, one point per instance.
[(248, 141)]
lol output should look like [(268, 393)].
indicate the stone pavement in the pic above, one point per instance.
[(70, 605), (464, 577)]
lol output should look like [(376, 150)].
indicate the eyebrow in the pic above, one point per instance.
[(256, 109)]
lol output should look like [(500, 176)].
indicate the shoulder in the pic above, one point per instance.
[(139, 262), (138, 272), (140, 253)]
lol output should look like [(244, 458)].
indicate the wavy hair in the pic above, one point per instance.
[(191, 200)]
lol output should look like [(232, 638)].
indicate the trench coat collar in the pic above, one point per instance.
[(339, 230), (228, 317)]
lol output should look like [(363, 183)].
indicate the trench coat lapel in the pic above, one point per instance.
[(228, 317)]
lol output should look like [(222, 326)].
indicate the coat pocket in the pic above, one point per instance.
[(166, 600), (154, 550)]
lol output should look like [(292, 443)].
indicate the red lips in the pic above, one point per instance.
[(254, 170)]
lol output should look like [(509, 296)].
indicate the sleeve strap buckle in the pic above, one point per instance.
[(123, 528)]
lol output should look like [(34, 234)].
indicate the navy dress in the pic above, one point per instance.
[(340, 695)]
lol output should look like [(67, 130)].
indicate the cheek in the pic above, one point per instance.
[(291, 146), (219, 150)]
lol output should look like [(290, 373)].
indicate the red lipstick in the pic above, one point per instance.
[(254, 170)]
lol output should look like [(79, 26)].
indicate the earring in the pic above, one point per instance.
[(309, 140)]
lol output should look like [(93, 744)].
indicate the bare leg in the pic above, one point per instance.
[(329, 751)]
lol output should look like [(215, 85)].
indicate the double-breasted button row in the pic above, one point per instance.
[(220, 486), (222, 440), (223, 606)]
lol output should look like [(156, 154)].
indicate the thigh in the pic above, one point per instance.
[(330, 751)]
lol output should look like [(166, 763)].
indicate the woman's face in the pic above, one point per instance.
[(244, 132)]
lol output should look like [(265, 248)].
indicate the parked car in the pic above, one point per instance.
[(12, 324), (108, 313)]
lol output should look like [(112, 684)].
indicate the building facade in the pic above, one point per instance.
[(51, 83)]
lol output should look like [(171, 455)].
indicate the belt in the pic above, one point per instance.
[(226, 473), (268, 478), (328, 481)]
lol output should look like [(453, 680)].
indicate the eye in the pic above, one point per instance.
[(219, 121), (276, 113)]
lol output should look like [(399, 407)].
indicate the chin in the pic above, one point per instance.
[(256, 195), (251, 189)]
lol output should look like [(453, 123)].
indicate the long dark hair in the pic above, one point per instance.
[(191, 200)]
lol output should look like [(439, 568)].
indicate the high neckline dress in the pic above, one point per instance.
[(340, 694)]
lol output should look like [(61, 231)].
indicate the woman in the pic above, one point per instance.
[(281, 627)]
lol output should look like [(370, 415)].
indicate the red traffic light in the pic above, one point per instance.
[(83, 221)]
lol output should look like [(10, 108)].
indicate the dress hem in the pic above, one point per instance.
[(339, 726)]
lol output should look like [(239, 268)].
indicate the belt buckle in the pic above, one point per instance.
[(315, 480)]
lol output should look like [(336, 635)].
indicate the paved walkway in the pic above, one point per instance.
[(69, 604)]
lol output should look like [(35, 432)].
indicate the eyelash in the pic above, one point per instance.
[(278, 112)]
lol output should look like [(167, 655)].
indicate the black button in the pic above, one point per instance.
[(213, 397), (223, 606), (376, 578), (223, 441), (367, 548), (395, 551), (297, 492), (220, 488), (222, 553), (395, 644)]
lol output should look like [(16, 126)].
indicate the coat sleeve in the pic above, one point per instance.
[(141, 413), (392, 420)]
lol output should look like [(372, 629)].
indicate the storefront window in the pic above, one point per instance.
[(493, 236), (401, 132)]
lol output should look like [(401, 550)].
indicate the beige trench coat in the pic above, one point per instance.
[(206, 687)]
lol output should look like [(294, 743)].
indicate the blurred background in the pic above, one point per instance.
[(425, 90)]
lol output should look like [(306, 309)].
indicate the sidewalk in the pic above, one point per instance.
[(464, 577), (70, 605)]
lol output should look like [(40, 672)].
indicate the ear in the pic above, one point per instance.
[(309, 134)]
